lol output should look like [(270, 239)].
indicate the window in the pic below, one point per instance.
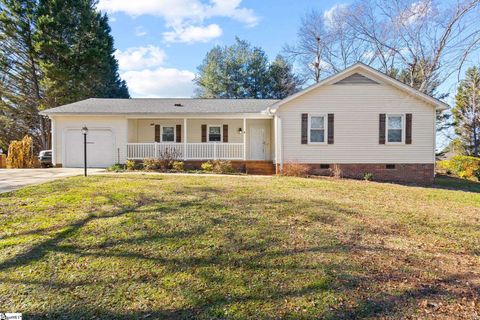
[(395, 129), (168, 134), (390, 166), (324, 166), (214, 134), (316, 130)]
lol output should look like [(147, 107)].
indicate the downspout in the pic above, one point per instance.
[(53, 141), (275, 126)]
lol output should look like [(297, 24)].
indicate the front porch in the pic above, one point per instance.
[(192, 139), (187, 151)]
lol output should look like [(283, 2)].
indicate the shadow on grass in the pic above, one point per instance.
[(246, 255), (453, 183)]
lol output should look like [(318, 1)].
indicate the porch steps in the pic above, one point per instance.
[(259, 167)]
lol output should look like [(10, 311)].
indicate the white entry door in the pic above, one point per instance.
[(100, 148), (257, 143)]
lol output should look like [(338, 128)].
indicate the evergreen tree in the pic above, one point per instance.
[(467, 111), (236, 71), (20, 90), (52, 52), (282, 81), (76, 51)]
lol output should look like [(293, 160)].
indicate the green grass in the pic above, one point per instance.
[(153, 246)]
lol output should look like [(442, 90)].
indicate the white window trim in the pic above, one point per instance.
[(221, 133), (403, 129), (174, 134), (325, 128)]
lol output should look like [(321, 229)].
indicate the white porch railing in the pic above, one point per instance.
[(194, 151)]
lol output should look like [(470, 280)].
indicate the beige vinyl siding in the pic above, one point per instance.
[(194, 128), (117, 124), (146, 132), (357, 108)]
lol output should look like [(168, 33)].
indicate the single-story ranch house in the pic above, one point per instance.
[(359, 120)]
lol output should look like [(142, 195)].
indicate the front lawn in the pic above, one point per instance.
[(153, 246)]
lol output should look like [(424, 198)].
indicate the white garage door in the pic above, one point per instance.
[(100, 148)]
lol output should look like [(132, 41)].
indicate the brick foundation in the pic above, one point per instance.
[(418, 173)]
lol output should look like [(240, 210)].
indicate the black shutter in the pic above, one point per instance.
[(304, 128), (157, 133), (408, 128), (381, 129), (225, 133), (331, 128), (178, 128), (204, 133)]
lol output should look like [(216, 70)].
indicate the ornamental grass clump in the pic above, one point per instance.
[(20, 154)]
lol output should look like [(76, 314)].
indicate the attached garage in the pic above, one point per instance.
[(100, 148)]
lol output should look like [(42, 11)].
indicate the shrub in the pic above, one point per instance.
[(218, 166), (151, 164), (207, 166), (337, 171), (368, 176), (116, 168), (295, 169), (462, 166), (223, 166), (130, 165), (178, 166), (166, 158), (20, 154)]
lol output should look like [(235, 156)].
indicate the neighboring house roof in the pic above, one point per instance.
[(375, 74), (163, 105)]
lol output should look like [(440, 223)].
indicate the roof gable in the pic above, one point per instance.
[(355, 74), (356, 78)]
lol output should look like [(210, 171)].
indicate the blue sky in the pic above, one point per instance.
[(161, 42)]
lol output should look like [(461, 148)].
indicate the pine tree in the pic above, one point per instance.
[(76, 51), (243, 71), (467, 111), (20, 75), (282, 81), (52, 52)]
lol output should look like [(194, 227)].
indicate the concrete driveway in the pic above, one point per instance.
[(12, 179)]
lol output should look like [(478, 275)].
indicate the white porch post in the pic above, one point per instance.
[(185, 138), (244, 138)]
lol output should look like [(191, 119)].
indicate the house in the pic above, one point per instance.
[(358, 120)]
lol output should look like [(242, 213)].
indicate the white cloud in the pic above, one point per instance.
[(331, 14), (193, 34), (136, 58), (140, 31), (160, 82), (185, 15), (417, 11)]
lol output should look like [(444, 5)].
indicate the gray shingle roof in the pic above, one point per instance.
[(162, 105)]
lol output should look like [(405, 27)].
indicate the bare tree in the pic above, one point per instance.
[(428, 40), (424, 41), (308, 51)]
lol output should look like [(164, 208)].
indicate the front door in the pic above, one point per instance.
[(257, 143)]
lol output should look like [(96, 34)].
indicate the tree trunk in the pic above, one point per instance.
[(42, 122)]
